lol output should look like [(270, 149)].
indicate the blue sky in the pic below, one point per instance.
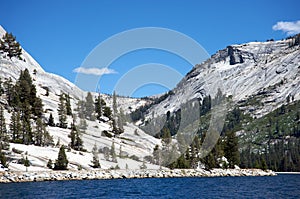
[(60, 34)]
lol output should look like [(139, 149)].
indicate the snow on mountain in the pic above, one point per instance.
[(242, 71), (140, 144)]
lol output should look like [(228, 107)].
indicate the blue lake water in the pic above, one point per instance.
[(281, 186)]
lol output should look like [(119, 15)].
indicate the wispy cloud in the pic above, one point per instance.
[(290, 28), (94, 71)]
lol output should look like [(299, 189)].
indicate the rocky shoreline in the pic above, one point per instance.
[(17, 176)]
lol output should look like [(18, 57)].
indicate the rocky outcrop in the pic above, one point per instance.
[(6, 177)]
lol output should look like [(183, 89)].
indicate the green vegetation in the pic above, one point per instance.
[(273, 141), (95, 161), (62, 162), (9, 45), (26, 121), (75, 135), (270, 142)]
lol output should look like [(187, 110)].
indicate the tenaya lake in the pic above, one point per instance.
[(280, 186)]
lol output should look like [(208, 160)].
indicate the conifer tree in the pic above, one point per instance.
[(9, 90), (51, 120), (3, 158), (113, 153), (106, 153), (68, 104), (231, 149), (3, 131), (89, 107), (26, 163), (115, 107), (75, 135), (62, 112), (99, 106), (9, 45), (15, 126), (50, 164), (121, 121), (42, 137), (81, 109), (38, 107), (95, 161), (61, 162), (39, 132), (107, 112), (26, 129)]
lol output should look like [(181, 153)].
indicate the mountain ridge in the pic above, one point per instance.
[(267, 72)]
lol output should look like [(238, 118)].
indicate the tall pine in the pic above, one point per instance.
[(3, 131), (89, 107), (62, 112), (231, 149)]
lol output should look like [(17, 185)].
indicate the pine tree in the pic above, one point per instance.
[(26, 163), (99, 106), (113, 153), (50, 164), (68, 104), (51, 120), (231, 149), (89, 106), (47, 138), (26, 131), (42, 137), (9, 45), (3, 131), (121, 121), (39, 132), (95, 161), (23, 98), (76, 141), (115, 107), (72, 135), (61, 162), (38, 107), (120, 152), (62, 112), (15, 126), (81, 109), (107, 112), (106, 153), (3, 159), (9, 90)]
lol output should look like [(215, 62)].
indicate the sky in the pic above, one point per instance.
[(61, 34)]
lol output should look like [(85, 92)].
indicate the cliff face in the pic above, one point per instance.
[(242, 71)]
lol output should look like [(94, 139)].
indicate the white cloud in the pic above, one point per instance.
[(290, 28), (94, 71)]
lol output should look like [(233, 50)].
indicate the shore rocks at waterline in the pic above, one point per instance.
[(17, 176)]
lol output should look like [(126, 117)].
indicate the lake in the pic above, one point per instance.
[(280, 186)]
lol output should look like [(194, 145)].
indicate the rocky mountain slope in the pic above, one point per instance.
[(257, 77), (241, 71), (133, 142)]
